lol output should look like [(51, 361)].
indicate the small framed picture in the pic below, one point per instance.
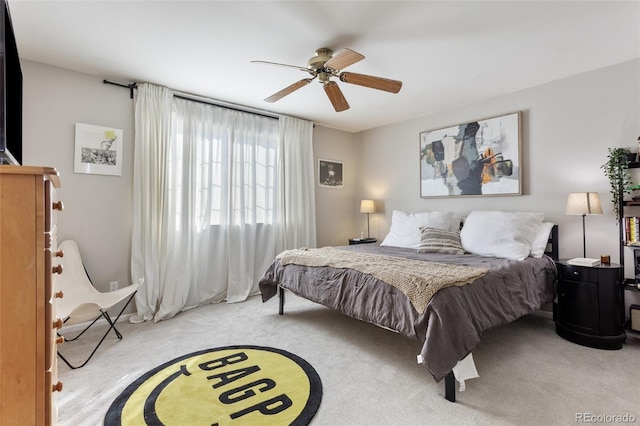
[(330, 174), (98, 150)]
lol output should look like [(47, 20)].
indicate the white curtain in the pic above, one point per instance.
[(152, 141), (231, 190), (296, 198)]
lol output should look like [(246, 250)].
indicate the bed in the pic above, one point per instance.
[(484, 291)]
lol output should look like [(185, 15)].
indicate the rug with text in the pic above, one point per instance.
[(232, 385)]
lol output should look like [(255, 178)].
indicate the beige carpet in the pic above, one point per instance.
[(528, 374)]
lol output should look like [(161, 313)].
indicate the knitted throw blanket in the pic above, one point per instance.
[(417, 279)]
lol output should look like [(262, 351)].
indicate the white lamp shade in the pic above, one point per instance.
[(579, 203), (367, 206)]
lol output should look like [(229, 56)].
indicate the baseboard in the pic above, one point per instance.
[(82, 325)]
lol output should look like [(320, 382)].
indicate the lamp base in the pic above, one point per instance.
[(368, 229)]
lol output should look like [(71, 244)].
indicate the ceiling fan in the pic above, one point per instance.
[(325, 65)]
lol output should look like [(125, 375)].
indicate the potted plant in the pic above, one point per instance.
[(616, 169)]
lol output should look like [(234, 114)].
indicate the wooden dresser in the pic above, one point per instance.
[(28, 360)]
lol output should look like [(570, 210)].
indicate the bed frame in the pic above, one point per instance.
[(449, 380)]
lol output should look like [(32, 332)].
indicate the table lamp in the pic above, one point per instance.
[(583, 203), (367, 206)]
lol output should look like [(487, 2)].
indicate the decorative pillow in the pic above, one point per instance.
[(433, 240), (500, 234), (541, 239), (405, 227)]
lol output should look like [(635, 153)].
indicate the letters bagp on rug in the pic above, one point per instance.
[(233, 385)]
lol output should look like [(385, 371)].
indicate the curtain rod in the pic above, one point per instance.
[(201, 99), (129, 86)]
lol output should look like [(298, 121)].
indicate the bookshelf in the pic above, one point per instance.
[(626, 223)]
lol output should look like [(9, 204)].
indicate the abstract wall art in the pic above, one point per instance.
[(477, 158)]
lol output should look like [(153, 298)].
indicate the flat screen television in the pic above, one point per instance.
[(10, 92)]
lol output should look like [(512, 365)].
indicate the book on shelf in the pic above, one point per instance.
[(583, 261), (631, 230)]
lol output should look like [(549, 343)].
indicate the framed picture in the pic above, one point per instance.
[(477, 158), (98, 150), (330, 174)]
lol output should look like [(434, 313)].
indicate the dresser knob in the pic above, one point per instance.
[(58, 206), (58, 324), (59, 340), (576, 273), (57, 387), (58, 294), (59, 253), (57, 269)]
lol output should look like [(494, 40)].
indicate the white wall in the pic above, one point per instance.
[(97, 208), (335, 219), (567, 127)]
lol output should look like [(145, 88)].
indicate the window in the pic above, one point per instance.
[(222, 165)]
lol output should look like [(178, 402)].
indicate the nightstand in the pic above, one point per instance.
[(353, 241), (589, 305)]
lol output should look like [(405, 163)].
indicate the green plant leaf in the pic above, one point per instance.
[(616, 169)]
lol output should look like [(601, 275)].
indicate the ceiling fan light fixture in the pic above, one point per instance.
[(323, 77)]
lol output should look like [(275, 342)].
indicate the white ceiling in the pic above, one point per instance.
[(447, 53)]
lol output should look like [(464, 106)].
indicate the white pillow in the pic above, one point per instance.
[(405, 227), (454, 225), (500, 234), (539, 244)]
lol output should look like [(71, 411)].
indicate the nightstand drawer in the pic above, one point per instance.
[(578, 273)]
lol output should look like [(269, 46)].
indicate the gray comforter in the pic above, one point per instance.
[(453, 323)]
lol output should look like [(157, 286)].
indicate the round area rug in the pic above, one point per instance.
[(232, 385)]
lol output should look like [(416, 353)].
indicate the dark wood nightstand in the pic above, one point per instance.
[(589, 305), (353, 241)]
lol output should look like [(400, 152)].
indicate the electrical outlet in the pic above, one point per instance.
[(113, 285)]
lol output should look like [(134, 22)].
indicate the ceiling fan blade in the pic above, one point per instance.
[(379, 83), (343, 59), (335, 96), (280, 65), (288, 90)]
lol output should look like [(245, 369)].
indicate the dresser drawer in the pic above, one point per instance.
[(53, 206)]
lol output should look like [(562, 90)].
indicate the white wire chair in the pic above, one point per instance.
[(81, 302)]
